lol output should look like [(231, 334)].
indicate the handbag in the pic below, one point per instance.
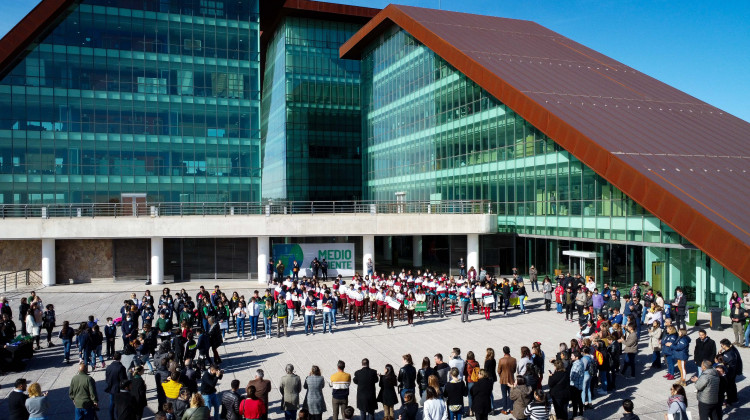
[(455, 408), (679, 416)]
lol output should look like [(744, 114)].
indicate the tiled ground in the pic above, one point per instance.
[(649, 390)]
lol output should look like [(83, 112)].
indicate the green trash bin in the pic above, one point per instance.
[(692, 314)]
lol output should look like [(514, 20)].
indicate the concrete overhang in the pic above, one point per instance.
[(247, 226)]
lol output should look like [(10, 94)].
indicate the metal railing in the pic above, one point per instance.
[(267, 208), (23, 277)]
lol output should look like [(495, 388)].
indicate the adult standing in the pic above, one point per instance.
[(314, 401), (533, 273), (678, 308), (547, 291), (365, 379), (340, 382), (423, 375), (83, 393), (114, 376), (559, 390), (262, 389), (434, 407), (138, 391), (506, 370), (629, 349), (481, 394), (17, 401), (490, 368), (708, 392), (677, 402), (733, 361), (36, 404), (387, 395), (209, 381), (230, 401), (457, 362), (520, 394), (290, 387), (124, 403), (407, 376), (576, 383), (705, 349)]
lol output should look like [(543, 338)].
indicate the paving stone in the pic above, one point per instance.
[(349, 343)]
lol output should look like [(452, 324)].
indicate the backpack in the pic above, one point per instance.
[(532, 368), (592, 367), (474, 373)]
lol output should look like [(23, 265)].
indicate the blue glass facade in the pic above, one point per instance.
[(311, 114), (148, 97)]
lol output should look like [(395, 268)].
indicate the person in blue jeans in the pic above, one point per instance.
[(268, 313), (586, 390), (310, 307), (66, 335), (328, 315), (209, 380), (240, 314), (522, 296)]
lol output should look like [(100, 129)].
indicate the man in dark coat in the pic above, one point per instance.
[(114, 375), (17, 401), (365, 379), (138, 391), (705, 349), (124, 403)]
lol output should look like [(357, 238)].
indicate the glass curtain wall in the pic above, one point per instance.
[(431, 132), (155, 97), (311, 112)]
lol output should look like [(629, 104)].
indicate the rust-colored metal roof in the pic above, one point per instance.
[(37, 22), (682, 159)]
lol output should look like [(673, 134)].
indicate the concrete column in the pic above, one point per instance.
[(368, 252), (416, 249), (157, 260), (388, 248), (48, 262), (472, 251), (264, 251)]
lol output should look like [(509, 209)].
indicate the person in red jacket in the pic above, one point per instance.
[(252, 407)]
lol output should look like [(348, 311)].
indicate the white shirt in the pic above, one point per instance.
[(435, 409)]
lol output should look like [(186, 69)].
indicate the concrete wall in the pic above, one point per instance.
[(83, 260), (248, 226), (21, 255)]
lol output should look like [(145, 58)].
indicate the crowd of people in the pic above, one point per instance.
[(176, 339)]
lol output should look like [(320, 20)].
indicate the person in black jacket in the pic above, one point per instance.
[(365, 379), (409, 409), (422, 375), (441, 371), (230, 402), (124, 403), (454, 393), (113, 376), (17, 401), (387, 395), (138, 391), (733, 363), (705, 349), (481, 395), (559, 389), (678, 308), (407, 377), (209, 381)]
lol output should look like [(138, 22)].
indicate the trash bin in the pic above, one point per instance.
[(716, 318), (693, 314)]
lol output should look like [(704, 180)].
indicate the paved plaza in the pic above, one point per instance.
[(349, 343)]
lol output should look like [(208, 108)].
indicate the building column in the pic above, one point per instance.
[(48, 262), (157, 260), (368, 251), (472, 251), (264, 245), (416, 249), (388, 249)]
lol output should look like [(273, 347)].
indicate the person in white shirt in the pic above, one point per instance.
[(434, 408), (253, 312), (241, 316)]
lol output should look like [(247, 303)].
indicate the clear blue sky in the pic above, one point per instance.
[(700, 47)]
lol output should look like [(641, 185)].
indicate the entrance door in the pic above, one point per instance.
[(133, 204)]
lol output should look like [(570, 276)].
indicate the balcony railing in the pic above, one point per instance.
[(267, 208)]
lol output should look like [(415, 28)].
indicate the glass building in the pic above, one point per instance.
[(432, 133), (311, 125), (123, 99)]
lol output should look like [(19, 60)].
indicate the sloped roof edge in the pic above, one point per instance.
[(36, 22), (703, 232)]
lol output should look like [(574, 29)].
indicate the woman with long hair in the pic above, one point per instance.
[(455, 391), (677, 402), (198, 409), (387, 395), (490, 366), (66, 335), (681, 352), (434, 407), (559, 389)]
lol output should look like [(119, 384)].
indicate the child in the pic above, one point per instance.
[(627, 407), (110, 334), (169, 411)]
